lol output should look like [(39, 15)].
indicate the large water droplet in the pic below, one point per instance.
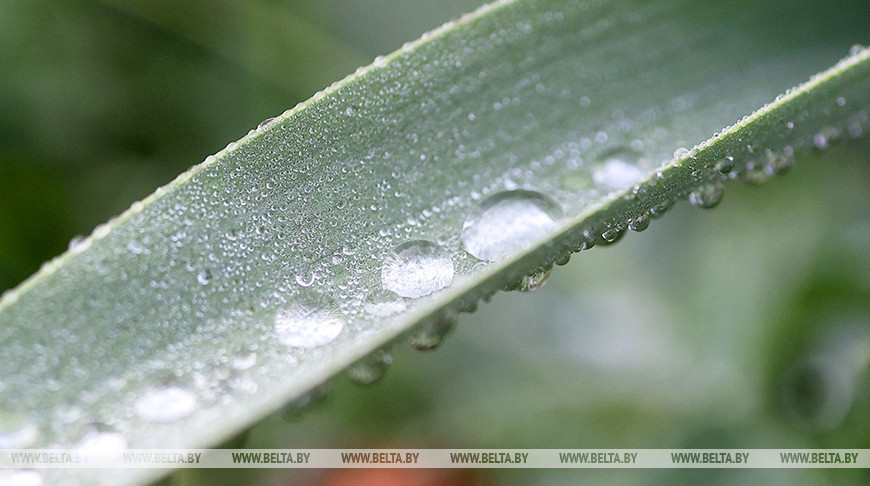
[(370, 369), (165, 405), (507, 222), (309, 323), (430, 334), (707, 195), (16, 431), (417, 268)]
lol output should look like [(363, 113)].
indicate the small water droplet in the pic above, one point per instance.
[(610, 235), (618, 169), (308, 323), (264, 122), (99, 441), (430, 334), (384, 304), (74, 242), (294, 410), (370, 369), (203, 277), (508, 222), (707, 195), (564, 260), (754, 174), (779, 163), (660, 209), (305, 279), (725, 165), (165, 405), (533, 282), (16, 431), (244, 360), (640, 223), (417, 268), (856, 49), (681, 152)]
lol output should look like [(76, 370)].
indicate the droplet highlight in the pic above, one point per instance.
[(417, 268), (508, 222)]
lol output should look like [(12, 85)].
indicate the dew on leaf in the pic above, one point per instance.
[(417, 268), (508, 222)]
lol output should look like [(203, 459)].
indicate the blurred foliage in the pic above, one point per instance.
[(696, 333)]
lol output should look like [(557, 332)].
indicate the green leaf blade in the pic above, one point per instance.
[(528, 95)]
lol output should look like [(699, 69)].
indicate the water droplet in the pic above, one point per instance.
[(204, 277), (820, 141), (417, 268), (856, 49), (779, 163), (74, 242), (98, 441), (564, 260), (317, 396), (20, 477), (165, 405), (508, 222), (16, 431), (725, 165), (244, 360), (309, 323), (618, 169), (681, 152), (534, 281), (660, 209), (754, 174), (430, 334), (384, 304), (265, 122), (305, 279), (610, 236), (707, 195), (640, 223), (370, 369)]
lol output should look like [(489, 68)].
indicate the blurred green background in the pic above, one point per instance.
[(742, 327)]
